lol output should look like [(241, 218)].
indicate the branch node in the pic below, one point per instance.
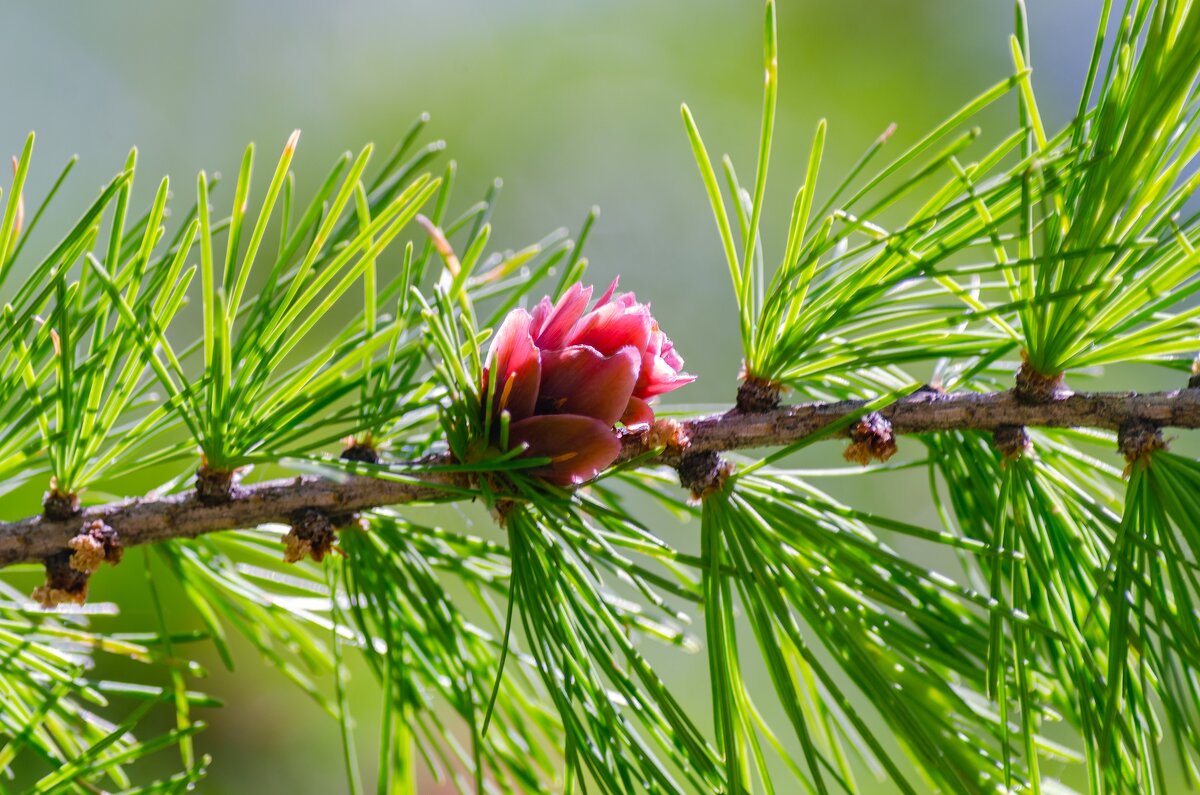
[(64, 583), (1034, 387), (360, 450), (703, 473), (313, 534), (1013, 442), (59, 505), (756, 395), (214, 486), (501, 511), (69, 571), (1194, 381), (871, 439), (1138, 439)]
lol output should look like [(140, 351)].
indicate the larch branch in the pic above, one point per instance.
[(147, 520)]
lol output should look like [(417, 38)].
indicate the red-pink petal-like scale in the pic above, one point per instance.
[(579, 448), (581, 380), (517, 365)]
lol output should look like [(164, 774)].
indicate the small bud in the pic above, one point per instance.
[(96, 543), (1012, 441), (360, 450), (1138, 440), (703, 473), (669, 434), (89, 553), (871, 439), (312, 535)]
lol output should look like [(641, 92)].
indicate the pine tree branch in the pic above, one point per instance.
[(143, 521)]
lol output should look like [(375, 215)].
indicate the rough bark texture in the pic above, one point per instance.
[(928, 411), (143, 521)]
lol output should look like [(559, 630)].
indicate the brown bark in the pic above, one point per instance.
[(928, 411), (143, 521)]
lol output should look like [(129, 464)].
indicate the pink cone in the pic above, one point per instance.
[(567, 375)]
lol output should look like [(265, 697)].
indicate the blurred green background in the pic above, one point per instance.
[(573, 104)]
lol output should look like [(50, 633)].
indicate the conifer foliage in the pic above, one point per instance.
[(371, 347)]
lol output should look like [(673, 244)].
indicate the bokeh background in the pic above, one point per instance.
[(573, 104)]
